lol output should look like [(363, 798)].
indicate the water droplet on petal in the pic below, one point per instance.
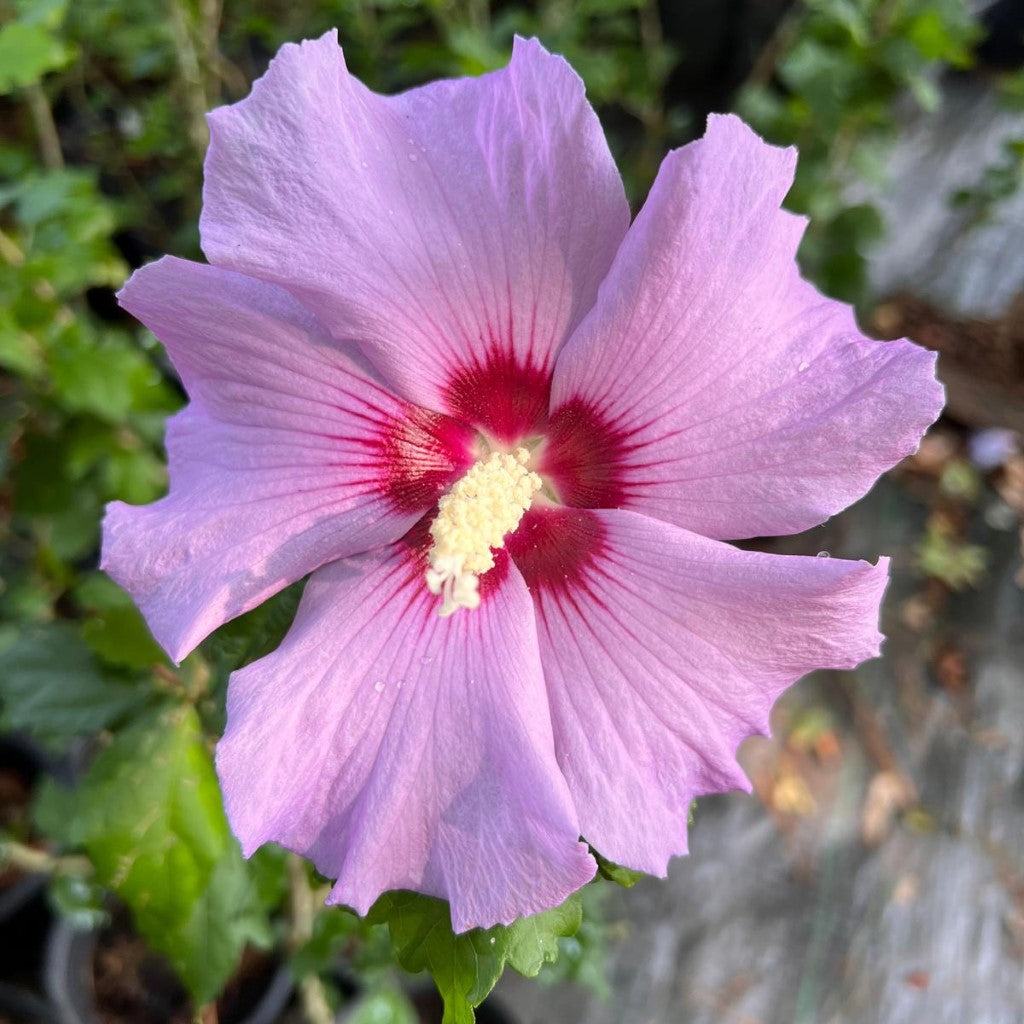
[(824, 554), (379, 686), (413, 157), (803, 366)]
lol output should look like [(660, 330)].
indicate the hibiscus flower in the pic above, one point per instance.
[(432, 363)]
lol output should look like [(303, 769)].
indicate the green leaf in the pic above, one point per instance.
[(533, 941), (19, 349), (254, 634), (944, 35), (54, 810), (27, 52), (116, 630), (224, 919), (100, 374), (383, 1006), (626, 877), (583, 957), (269, 875), (333, 929), (149, 815), (52, 687), (466, 967), (41, 12), (41, 485), (847, 13)]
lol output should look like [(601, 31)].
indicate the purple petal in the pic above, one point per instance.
[(711, 386), (288, 456), (399, 750), (663, 650), (452, 227)]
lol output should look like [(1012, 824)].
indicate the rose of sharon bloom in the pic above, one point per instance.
[(508, 433)]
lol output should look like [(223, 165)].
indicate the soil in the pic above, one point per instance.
[(20, 769), (15, 790), (24, 917), (14, 793), (133, 985)]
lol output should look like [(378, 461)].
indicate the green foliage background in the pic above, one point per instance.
[(100, 169)]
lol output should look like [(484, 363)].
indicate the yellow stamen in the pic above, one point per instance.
[(474, 517)]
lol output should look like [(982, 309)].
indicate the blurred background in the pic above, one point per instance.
[(877, 875)]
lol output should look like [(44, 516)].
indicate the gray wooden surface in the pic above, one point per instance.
[(932, 250), (880, 881), (840, 912)]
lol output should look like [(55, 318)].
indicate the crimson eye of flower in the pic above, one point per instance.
[(507, 435)]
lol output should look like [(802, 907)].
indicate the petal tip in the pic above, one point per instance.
[(728, 124), (117, 559), (150, 281), (530, 49), (339, 898)]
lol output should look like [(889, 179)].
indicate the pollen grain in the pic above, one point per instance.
[(473, 518)]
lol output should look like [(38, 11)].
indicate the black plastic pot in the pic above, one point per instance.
[(29, 763), (69, 981), (20, 1006), (25, 917)]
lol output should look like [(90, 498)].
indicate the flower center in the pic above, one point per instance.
[(472, 518)]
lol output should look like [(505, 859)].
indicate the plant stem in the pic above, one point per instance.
[(10, 251), (206, 1014), (191, 74), (28, 858), (46, 128), (302, 908), (774, 50)]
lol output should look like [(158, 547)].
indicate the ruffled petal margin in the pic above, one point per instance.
[(711, 386), (663, 650), (446, 228), (399, 750), (288, 456)]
